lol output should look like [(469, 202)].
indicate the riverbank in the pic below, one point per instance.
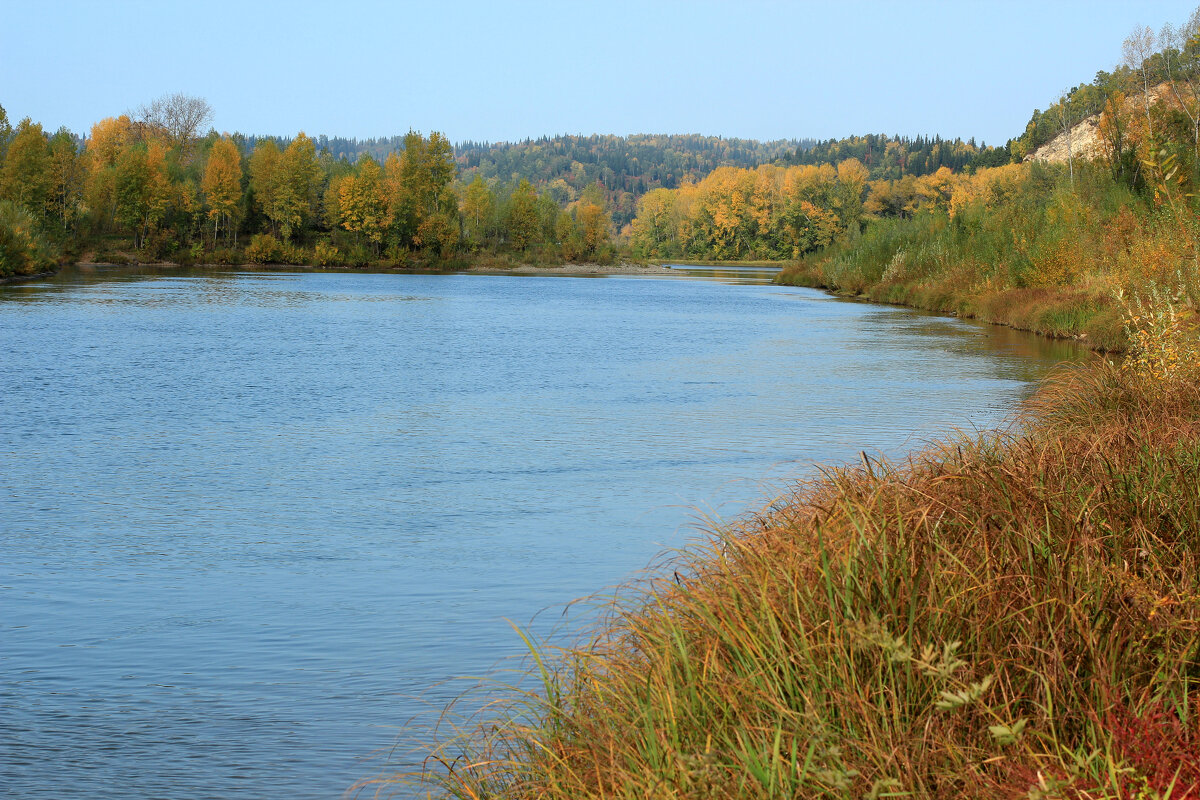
[(1001, 616), (1089, 318), (488, 268)]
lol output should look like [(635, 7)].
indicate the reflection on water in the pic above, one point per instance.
[(248, 517), (726, 273)]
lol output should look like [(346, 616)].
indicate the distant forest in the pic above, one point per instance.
[(895, 157), (627, 167)]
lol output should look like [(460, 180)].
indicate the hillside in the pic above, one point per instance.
[(1084, 140), (626, 167)]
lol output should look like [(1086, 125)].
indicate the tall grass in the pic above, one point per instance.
[(1013, 615)]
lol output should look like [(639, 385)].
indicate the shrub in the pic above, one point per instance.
[(1162, 334), (326, 255), (263, 249), (225, 256), (23, 250), (357, 256), (293, 254)]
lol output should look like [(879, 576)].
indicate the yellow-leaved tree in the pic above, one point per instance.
[(222, 188), (362, 206)]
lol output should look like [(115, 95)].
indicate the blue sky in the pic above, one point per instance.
[(762, 69)]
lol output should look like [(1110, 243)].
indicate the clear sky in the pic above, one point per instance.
[(490, 70)]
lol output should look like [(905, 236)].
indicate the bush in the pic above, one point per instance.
[(357, 256), (326, 255), (158, 245), (225, 256), (263, 249), (111, 257), (293, 254), (23, 249)]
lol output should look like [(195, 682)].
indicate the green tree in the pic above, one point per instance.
[(6, 133), (301, 171), (142, 188), (416, 185), (274, 191), (653, 227), (851, 185), (26, 175), (23, 251), (67, 178), (478, 212), (521, 223)]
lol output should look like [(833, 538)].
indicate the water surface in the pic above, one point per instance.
[(247, 518)]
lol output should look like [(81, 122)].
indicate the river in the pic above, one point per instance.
[(252, 522)]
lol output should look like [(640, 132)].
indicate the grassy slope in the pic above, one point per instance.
[(1026, 249)]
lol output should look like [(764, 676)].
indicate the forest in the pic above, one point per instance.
[(149, 187)]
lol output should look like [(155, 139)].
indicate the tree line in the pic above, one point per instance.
[(150, 186)]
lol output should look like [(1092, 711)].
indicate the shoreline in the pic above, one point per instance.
[(572, 269)]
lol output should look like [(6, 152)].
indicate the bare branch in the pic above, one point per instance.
[(178, 117)]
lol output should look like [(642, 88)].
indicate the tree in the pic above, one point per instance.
[(1066, 124), (132, 190), (478, 211), (1181, 49), (67, 174), (595, 225), (593, 219), (852, 182), (277, 192), (1135, 52), (26, 174), (653, 226), (416, 184), (6, 133), (362, 204), (177, 117), (108, 139), (302, 172), (222, 188), (521, 218)]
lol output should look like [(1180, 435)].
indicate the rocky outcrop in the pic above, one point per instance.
[(1084, 141), (1085, 138)]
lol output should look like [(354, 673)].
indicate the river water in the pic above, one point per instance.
[(253, 521)]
